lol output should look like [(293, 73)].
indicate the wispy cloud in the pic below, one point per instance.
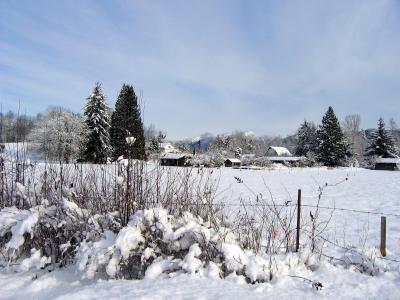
[(206, 65)]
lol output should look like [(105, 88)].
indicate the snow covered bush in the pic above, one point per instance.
[(47, 234), (155, 244), (261, 162), (213, 159)]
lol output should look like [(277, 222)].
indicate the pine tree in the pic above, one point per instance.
[(126, 121), (332, 147), (306, 139), (97, 142), (382, 142)]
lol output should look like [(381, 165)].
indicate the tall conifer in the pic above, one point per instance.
[(382, 143), (97, 142), (332, 147), (126, 121), (306, 137)]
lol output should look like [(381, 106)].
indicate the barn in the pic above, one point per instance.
[(232, 162), (278, 151), (388, 164), (175, 159), (282, 155)]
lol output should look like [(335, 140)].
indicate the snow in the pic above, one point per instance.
[(18, 222), (128, 239), (36, 260), (174, 155), (234, 160), (388, 160), (66, 284), (365, 190), (349, 188), (281, 151)]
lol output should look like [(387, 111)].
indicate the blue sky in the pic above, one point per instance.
[(206, 66)]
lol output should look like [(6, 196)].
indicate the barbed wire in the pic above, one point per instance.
[(287, 205), (352, 249)]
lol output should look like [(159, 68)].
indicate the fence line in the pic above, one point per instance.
[(350, 249), (288, 205)]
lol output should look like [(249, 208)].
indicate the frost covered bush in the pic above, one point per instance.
[(155, 244), (261, 162), (211, 160), (47, 234), (58, 135), (125, 187)]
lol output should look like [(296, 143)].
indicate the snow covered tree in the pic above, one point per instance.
[(332, 147), (97, 142), (238, 152), (354, 134), (395, 132), (381, 142), (306, 137), (126, 121), (58, 135)]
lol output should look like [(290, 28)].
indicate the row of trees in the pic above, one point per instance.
[(102, 133), (332, 146), (60, 134), (332, 143), (113, 136), (15, 127)]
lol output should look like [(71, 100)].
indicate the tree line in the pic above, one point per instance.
[(103, 134), (332, 144), (97, 136)]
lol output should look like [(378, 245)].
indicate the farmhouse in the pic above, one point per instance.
[(232, 162), (175, 159), (389, 164), (167, 148)]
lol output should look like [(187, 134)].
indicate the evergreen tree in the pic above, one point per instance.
[(332, 147), (382, 142), (126, 121), (306, 139), (97, 141)]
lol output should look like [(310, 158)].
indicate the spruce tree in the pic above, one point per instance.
[(332, 147), (382, 142), (306, 139), (126, 121), (97, 141)]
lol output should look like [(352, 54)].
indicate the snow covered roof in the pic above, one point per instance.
[(234, 160), (174, 155), (280, 151), (248, 155), (285, 158), (166, 144), (388, 160)]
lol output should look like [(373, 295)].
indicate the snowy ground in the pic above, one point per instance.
[(373, 191), (365, 190), (66, 284)]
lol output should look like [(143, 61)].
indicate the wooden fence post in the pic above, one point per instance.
[(298, 219), (383, 235)]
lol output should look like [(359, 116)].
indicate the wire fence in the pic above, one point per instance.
[(241, 204)]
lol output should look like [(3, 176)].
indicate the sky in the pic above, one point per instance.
[(206, 66)]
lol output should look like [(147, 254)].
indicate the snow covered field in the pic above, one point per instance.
[(66, 284), (365, 190)]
